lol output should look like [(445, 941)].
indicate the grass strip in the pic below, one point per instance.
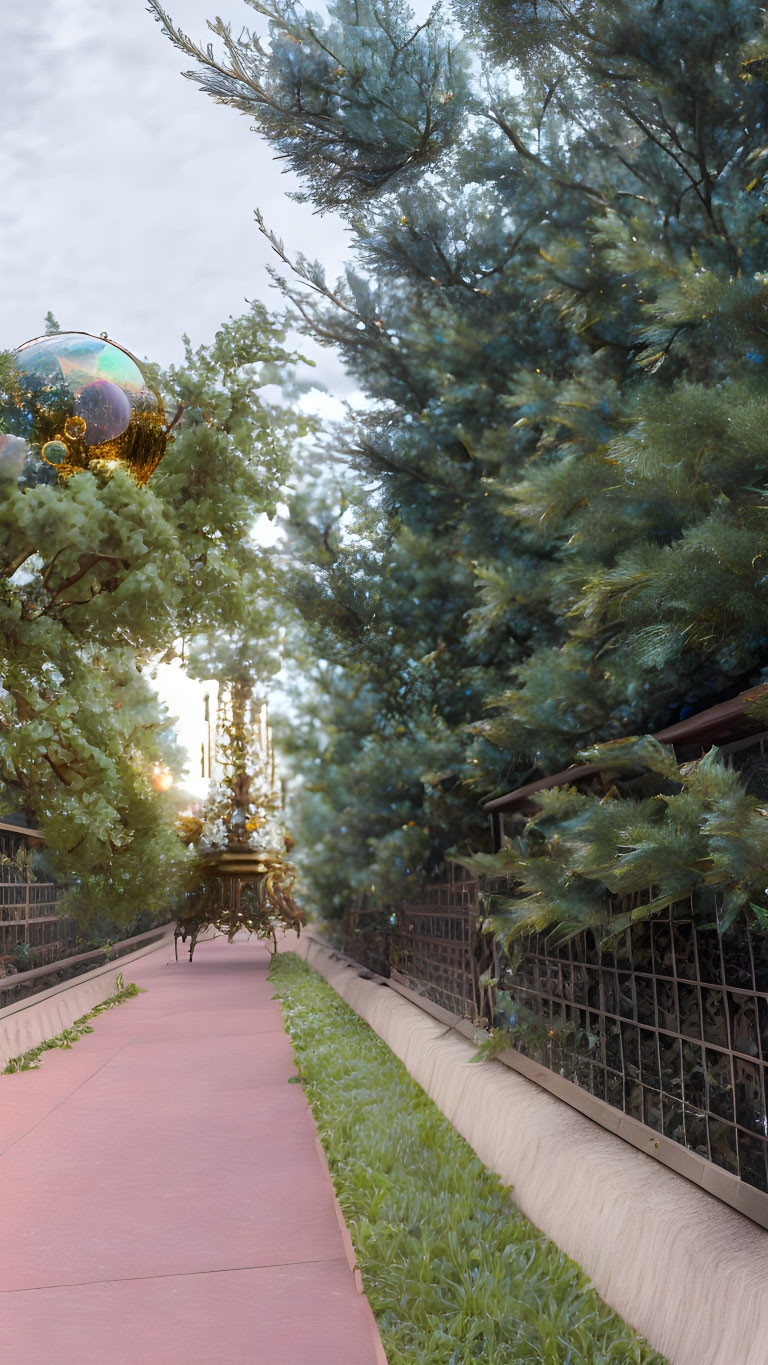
[(453, 1272), (30, 1060)]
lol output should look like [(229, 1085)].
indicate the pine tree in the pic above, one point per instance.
[(558, 309)]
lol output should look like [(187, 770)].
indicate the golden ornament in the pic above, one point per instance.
[(89, 403)]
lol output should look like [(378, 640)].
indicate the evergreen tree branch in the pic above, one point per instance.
[(496, 117)]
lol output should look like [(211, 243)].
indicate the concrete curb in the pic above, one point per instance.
[(349, 1252), (685, 1270), (25, 1023)]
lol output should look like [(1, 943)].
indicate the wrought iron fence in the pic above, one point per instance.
[(670, 1027), (432, 944), (30, 925), (436, 946), (368, 940)]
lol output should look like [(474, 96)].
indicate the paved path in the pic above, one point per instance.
[(162, 1198)]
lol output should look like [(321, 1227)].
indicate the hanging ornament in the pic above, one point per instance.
[(87, 402)]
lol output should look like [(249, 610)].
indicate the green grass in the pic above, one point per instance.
[(30, 1060), (454, 1274)]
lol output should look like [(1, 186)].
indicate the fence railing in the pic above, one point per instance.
[(28, 983), (432, 944), (435, 941), (30, 925), (669, 1027)]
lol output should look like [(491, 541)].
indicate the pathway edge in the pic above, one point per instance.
[(684, 1269)]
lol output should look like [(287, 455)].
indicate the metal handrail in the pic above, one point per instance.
[(11, 983)]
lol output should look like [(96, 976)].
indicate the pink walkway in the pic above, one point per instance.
[(162, 1198)]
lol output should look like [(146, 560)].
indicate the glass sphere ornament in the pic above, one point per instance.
[(87, 402)]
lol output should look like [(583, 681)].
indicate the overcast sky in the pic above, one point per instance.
[(127, 199), (127, 195)]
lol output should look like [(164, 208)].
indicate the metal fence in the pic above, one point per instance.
[(670, 1027), (436, 946), (30, 926), (432, 944)]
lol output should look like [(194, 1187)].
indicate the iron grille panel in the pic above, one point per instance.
[(435, 947), (29, 909), (670, 1027)]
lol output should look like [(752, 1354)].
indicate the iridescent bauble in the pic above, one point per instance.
[(84, 401), (105, 409), (56, 454)]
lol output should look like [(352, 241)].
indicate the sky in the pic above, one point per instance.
[(127, 199), (126, 194)]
